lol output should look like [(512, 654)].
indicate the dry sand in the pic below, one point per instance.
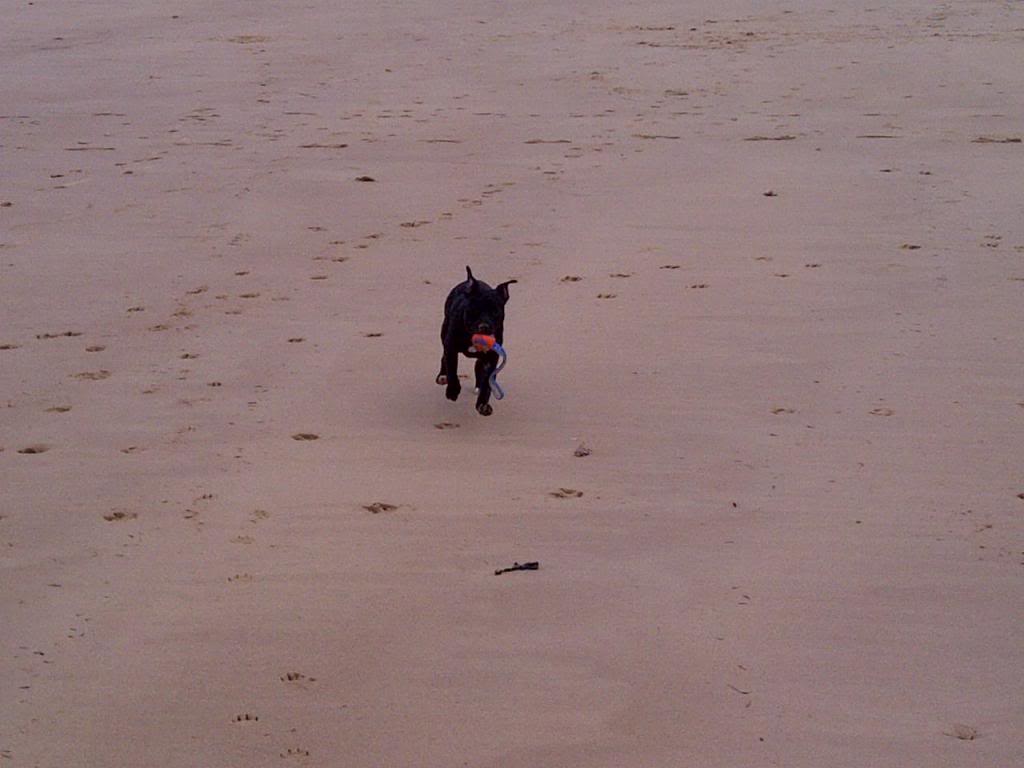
[(799, 540)]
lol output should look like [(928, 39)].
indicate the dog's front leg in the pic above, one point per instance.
[(451, 371), (485, 366)]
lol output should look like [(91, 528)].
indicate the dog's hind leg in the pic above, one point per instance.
[(442, 377)]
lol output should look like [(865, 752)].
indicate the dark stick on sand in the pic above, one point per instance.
[(518, 567)]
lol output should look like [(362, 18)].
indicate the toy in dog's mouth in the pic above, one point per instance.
[(482, 342)]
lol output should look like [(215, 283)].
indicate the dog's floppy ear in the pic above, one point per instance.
[(470, 280), (502, 289)]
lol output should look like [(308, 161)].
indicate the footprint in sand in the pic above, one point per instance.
[(379, 506), (245, 717), (118, 515), (566, 493), (296, 677), (10, 346), (606, 295), (669, 266), (296, 340), (446, 425), (240, 578), (34, 449), (305, 436), (68, 334), (571, 279), (882, 412), (699, 285), (777, 411), (91, 375), (59, 409), (95, 348)]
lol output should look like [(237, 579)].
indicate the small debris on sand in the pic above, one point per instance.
[(963, 732)]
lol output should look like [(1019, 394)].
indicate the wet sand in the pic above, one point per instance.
[(770, 264)]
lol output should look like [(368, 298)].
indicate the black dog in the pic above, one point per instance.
[(472, 307)]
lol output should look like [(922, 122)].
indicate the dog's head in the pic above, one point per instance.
[(485, 306)]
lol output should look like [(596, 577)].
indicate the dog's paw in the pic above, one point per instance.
[(484, 409), (441, 379), (452, 390)]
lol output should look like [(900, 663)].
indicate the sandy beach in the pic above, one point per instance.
[(770, 265)]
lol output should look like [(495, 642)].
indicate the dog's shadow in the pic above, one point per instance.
[(416, 400)]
